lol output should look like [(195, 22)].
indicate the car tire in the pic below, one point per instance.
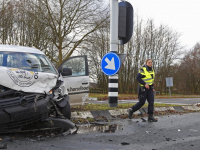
[(66, 110)]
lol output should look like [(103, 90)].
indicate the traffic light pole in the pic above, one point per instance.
[(113, 80)]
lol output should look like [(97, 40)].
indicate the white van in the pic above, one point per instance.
[(32, 89)]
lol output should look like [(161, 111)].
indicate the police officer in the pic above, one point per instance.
[(145, 78)]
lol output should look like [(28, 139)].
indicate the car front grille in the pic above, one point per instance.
[(15, 101)]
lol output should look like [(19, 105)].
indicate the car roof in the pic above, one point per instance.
[(24, 49)]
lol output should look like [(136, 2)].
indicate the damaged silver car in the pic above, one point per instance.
[(31, 90)]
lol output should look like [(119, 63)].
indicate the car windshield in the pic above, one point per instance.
[(27, 61)]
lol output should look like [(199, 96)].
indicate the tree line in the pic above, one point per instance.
[(61, 28)]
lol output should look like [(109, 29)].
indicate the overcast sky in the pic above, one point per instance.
[(181, 15)]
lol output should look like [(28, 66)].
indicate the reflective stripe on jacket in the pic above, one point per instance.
[(148, 79)]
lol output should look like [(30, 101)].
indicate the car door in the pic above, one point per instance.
[(77, 84)]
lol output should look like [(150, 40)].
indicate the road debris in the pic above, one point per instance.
[(4, 146), (32, 140), (71, 131), (40, 138), (143, 120), (148, 132), (124, 143), (193, 130)]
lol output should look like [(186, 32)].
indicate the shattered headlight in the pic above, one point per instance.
[(60, 93)]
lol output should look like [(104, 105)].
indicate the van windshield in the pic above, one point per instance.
[(26, 61)]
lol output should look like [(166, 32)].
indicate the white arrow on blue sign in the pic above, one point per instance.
[(110, 64)]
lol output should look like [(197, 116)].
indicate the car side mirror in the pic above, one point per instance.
[(66, 72)]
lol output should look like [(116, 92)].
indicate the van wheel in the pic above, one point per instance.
[(66, 111)]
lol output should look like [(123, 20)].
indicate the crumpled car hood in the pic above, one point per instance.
[(27, 81)]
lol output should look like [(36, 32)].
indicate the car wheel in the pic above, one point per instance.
[(66, 111)]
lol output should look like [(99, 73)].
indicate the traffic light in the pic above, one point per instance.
[(125, 22)]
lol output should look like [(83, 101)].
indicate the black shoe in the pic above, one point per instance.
[(130, 113), (152, 119)]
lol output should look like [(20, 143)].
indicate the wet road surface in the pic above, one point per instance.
[(180, 131)]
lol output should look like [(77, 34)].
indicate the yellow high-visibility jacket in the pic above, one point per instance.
[(149, 76)]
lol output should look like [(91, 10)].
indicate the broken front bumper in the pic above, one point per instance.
[(17, 112)]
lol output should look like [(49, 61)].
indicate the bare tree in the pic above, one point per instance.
[(70, 22), (188, 72), (96, 45), (7, 12)]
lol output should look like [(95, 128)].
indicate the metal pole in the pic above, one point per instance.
[(113, 80)]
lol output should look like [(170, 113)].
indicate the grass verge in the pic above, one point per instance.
[(103, 97), (93, 107)]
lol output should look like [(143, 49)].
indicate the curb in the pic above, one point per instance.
[(117, 112)]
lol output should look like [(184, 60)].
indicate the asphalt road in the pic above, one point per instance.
[(180, 101), (177, 132)]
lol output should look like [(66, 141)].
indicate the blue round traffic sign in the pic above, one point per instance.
[(110, 63)]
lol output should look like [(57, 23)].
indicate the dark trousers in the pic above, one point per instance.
[(142, 96)]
